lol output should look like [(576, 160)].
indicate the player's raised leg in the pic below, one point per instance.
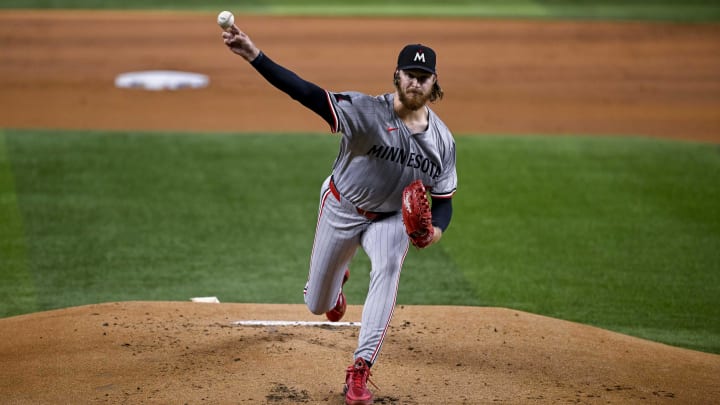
[(336, 242)]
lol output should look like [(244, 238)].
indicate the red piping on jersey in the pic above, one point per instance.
[(450, 195), (335, 125)]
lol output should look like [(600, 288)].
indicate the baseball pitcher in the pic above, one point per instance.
[(394, 151)]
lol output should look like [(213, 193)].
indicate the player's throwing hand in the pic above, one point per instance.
[(240, 43)]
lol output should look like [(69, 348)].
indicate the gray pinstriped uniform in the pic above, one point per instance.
[(378, 157)]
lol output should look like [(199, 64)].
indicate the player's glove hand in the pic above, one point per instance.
[(416, 214)]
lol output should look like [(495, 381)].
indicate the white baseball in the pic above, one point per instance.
[(225, 19)]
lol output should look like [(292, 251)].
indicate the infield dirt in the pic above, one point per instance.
[(191, 353), (505, 77)]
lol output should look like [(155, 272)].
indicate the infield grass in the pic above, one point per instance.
[(620, 233)]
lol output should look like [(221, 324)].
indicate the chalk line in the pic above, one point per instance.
[(297, 323)]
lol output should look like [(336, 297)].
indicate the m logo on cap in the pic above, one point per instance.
[(417, 56)]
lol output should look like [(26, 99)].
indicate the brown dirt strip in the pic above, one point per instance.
[(506, 77)]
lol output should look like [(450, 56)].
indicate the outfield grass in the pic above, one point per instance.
[(620, 233), (688, 10)]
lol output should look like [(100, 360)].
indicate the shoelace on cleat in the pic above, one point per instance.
[(358, 377)]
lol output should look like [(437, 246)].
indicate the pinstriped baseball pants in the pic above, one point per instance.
[(340, 232)]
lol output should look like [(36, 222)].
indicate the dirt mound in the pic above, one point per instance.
[(178, 352)]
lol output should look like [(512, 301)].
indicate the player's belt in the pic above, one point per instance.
[(367, 214)]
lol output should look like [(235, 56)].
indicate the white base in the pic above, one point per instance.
[(211, 300), (161, 80)]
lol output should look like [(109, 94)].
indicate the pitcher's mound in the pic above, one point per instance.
[(184, 352)]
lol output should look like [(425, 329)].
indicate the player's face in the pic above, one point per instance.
[(414, 87)]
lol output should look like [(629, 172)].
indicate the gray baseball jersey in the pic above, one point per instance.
[(378, 157)]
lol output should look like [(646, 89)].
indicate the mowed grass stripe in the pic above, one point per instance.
[(17, 287)]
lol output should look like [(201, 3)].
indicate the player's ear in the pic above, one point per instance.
[(396, 78)]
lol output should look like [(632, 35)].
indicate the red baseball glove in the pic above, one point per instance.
[(416, 214)]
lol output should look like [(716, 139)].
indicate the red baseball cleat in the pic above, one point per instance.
[(356, 379), (338, 310)]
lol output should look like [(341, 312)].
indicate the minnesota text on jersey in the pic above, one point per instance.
[(403, 157)]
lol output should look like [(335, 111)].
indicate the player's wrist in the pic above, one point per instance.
[(436, 235), (253, 55)]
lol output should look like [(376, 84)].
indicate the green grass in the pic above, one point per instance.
[(693, 10), (18, 289), (620, 233)]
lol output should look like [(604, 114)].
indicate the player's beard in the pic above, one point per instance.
[(414, 99)]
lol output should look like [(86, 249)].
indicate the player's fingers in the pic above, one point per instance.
[(229, 40), (234, 29)]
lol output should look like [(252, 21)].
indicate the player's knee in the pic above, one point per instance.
[(317, 307), (316, 310)]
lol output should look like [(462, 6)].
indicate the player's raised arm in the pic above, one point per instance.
[(308, 94)]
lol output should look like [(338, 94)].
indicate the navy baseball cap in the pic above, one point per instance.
[(417, 56)]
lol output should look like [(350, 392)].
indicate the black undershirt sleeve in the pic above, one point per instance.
[(308, 94), (441, 212)]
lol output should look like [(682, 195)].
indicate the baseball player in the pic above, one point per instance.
[(387, 142)]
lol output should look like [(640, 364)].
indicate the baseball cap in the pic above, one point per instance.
[(417, 56)]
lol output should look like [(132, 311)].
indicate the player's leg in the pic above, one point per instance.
[(386, 244), (336, 241)]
